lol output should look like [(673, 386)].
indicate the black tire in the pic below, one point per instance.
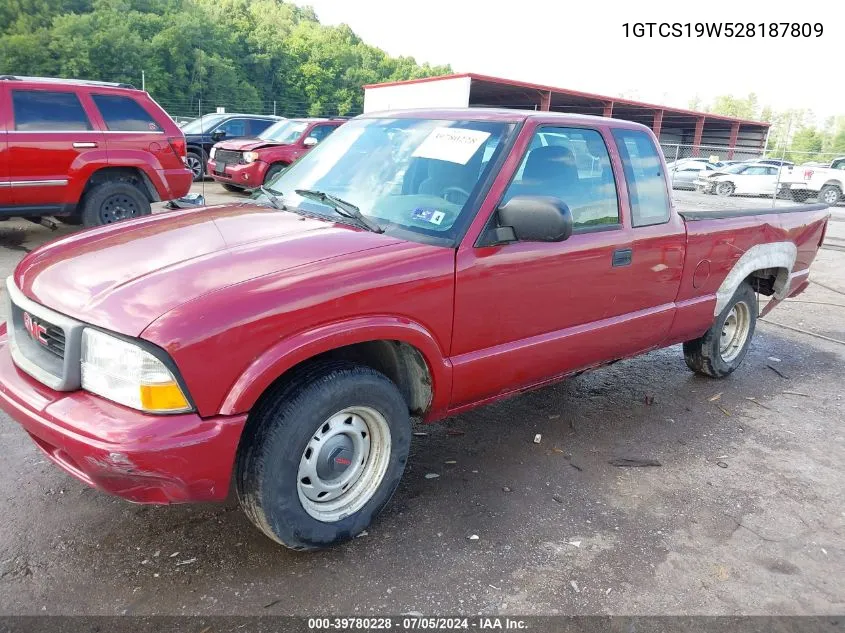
[(724, 189), (705, 356), (279, 432), (274, 171), (830, 195), (113, 201), (799, 195), (232, 188), (197, 162)]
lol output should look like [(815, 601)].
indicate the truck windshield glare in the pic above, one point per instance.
[(416, 178)]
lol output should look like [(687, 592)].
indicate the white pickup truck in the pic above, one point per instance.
[(825, 183)]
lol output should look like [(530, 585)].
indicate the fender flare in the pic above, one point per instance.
[(291, 351), (779, 255)]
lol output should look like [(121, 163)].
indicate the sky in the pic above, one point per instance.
[(582, 46)]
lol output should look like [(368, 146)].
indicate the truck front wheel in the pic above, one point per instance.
[(723, 347), (322, 454)]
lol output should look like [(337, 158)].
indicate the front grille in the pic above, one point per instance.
[(50, 336), (227, 156), (44, 343)]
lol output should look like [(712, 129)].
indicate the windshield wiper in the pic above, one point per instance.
[(341, 207), (274, 199)]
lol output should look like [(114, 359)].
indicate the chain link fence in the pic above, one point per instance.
[(727, 172)]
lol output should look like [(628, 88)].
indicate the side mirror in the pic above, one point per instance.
[(536, 218), (218, 135), (310, 142)]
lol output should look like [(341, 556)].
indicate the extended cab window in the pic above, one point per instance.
[(838, 164), (644, 174), (571, 164), (43, 111), (123, 114)]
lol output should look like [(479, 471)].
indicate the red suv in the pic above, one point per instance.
[(249, 163), (86, 152)]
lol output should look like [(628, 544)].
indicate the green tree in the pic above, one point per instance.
[(197, 55)]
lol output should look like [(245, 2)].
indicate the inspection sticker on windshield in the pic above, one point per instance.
[(455, 145), (432, 216)]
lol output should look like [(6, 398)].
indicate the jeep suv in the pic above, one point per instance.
[(85, 152), (201, 134), (249, 163)]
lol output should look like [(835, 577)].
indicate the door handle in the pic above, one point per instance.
[(83, 145), (622, 257)]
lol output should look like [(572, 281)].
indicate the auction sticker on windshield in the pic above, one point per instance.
[(432, 216), (455, 145)]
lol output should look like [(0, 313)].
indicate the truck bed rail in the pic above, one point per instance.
[(718, 214)]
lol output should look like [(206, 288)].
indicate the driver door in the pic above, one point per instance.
[(526, 312)]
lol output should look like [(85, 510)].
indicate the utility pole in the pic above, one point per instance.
[(143, 82)]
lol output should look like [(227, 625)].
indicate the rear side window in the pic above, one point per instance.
[(43, 111), (124, 114), (644, 173)]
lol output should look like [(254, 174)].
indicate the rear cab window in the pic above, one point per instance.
[(573, 165), (48, 111), (645, 178), (124, 114)]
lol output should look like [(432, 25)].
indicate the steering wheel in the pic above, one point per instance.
[(449, 191)]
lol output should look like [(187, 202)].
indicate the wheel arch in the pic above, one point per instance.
[(132, 175), (766, 266), (404, 351)]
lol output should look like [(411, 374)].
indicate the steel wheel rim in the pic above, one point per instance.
[(118, 207), (343, 463), (735, 331), (830, 196), (195, 165)]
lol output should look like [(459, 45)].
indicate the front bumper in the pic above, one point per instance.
[(248, 175), (142, 458)]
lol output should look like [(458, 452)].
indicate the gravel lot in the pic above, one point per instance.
[(745, 515)]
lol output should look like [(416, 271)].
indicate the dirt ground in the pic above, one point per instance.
[(744, 515)]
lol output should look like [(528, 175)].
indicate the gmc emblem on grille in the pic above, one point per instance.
[(36, 330)]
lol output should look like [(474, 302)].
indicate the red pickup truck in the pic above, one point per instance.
[(414, 265)]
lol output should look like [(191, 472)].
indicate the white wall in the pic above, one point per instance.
[(441, 93)]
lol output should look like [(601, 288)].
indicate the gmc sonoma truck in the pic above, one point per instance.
[(415, 264)]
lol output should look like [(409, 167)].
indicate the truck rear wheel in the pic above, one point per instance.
[(724, 346), (112, 201), (830, 195), (322, 454)]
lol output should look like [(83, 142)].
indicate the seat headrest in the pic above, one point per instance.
[(550, 162)]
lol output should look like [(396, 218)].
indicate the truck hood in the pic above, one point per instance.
[(125, 276), (248, 144)]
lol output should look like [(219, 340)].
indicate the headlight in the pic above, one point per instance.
[(212, 152), (128, 374), (250, 157)]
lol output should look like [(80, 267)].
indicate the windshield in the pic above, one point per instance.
[(418, 179), (202, 124), (284, 131)]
